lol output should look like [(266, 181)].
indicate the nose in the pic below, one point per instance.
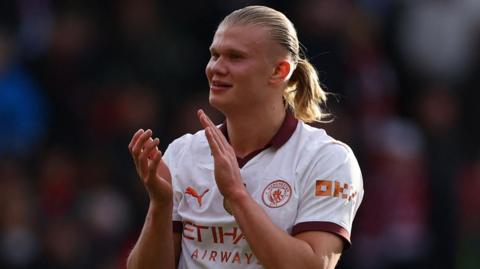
[(216, 66)]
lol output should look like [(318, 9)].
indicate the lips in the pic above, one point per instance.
[(218, 85)]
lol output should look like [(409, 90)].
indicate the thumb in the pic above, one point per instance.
[(162, 169), (164, 172)]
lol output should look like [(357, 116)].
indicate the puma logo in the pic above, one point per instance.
[(191, 191)]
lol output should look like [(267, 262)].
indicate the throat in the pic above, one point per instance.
[(250, 134), (244, 149), (247, 157), (249, 140)]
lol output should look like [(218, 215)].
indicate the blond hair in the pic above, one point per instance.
[(303, 93)]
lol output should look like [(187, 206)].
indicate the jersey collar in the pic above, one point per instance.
[(279, 139), (285, 132)]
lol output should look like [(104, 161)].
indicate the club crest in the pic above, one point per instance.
[(276, 194)]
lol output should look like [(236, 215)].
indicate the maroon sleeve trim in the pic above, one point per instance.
[(324, 226), (177, 226)]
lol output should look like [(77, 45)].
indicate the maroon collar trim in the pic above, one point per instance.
[(278, 140), (285, 132)]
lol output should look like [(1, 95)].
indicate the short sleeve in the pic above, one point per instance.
[(331, 191)]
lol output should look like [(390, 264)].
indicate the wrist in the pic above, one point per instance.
[(159, 216), (160, 208), (236, 198), (235, 191), (238, 194)]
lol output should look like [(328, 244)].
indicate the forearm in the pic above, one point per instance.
[(154, 248), (271, 245)]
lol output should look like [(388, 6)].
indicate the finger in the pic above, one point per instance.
[(209, 122), (214, 147), (153, 152), (219, 139), (139, 144), (134, 139), (163, 170), (152, 167), (149, 148), (206, 122), (156, 151), (217, 134), (204, 119)]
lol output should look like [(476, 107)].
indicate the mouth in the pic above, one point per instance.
[(217, 85)]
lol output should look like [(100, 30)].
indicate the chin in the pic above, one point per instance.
[(217, 102)]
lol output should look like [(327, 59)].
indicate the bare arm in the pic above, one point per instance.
[(271, 245), (154, 248), (157, 246), (277, 249)]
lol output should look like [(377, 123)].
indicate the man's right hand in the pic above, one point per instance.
[(151, 169)]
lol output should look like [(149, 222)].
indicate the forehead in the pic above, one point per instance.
[(241, 37)]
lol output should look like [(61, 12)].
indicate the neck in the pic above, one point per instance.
[(253, 129)]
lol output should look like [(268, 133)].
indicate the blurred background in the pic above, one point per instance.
[(78, 78)]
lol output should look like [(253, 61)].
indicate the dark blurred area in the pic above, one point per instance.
[(78, 78)]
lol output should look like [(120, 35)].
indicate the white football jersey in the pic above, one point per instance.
[(304, 180)]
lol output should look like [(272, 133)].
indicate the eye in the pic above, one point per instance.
[(235, 56)]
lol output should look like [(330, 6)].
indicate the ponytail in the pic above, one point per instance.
[(304, 95)]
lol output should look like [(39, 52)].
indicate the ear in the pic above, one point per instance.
[(282, 72)]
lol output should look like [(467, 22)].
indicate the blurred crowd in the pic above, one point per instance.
[(78, 78)]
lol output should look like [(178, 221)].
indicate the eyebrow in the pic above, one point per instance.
[(228, 51)]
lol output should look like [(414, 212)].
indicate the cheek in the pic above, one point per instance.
[(253, 77)]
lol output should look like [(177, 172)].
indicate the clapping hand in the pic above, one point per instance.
[(227, 171), (151, 169)]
